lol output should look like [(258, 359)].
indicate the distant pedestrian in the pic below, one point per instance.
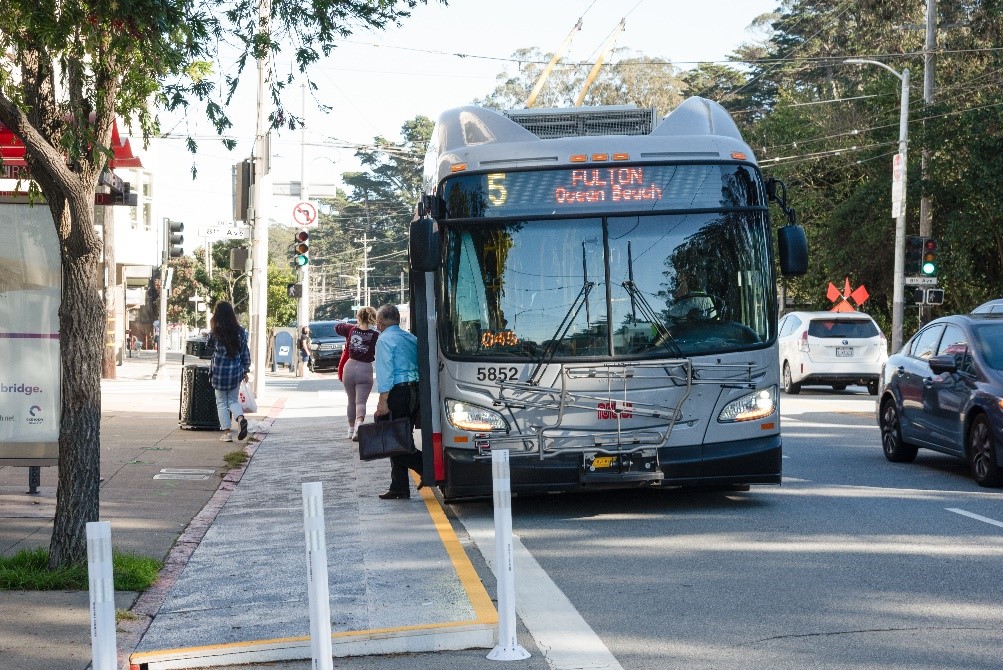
[(357, 376), (397, 383), (231, 361), (305, 351)]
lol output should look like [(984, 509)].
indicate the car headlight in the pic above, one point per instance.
[(465, 416), (758, 405)]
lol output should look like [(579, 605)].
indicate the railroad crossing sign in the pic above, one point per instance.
[(304, 214), (859, 296)]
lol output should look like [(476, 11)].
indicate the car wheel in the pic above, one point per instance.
[(839, 387), (982, 453), (789, 385), (895, 449), (872, 388)]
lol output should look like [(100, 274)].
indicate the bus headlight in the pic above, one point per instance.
[(465, 416), (758, 405)]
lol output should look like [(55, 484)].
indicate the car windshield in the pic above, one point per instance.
[(322, 330), (989, 342), (842, 328), (626, 286)]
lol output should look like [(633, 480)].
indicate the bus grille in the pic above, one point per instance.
[(552, 123)]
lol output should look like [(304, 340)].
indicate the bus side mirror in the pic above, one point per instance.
[(423, 246), (793, 246)]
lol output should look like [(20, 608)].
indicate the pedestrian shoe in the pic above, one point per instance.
[(395, 495), (243, 428), (351, 433), (355, 434), (226, 437)]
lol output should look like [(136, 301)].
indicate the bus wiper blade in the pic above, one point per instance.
[(562, 329), (665, 337)]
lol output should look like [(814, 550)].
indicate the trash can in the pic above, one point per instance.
[(198, 401), (195, 346)]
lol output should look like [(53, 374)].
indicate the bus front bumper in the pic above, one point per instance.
[(755, 461)]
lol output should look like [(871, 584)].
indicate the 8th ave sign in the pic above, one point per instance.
[(920, 281), (225, 232)]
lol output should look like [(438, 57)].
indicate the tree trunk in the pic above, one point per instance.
[(81, 343)]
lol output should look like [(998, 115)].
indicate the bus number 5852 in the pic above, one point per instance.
[(500, 374)]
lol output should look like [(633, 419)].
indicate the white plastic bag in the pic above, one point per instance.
[(247, 401)]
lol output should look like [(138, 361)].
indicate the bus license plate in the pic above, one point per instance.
[(844, 351)]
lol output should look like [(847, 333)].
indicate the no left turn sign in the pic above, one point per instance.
[(305, 214)]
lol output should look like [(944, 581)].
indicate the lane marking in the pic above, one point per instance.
[(562, 635), (983, 519)]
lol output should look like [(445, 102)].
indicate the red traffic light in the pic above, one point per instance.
[(302, 236)]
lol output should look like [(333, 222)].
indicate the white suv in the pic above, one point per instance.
[(830, 348)]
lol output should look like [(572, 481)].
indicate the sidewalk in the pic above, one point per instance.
[(233, 589)]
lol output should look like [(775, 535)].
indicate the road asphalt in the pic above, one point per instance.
[(233, 590)]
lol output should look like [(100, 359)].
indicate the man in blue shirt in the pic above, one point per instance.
[(397, 383)]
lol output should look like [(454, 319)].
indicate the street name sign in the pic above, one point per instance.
[(225, 232), (920, 281)]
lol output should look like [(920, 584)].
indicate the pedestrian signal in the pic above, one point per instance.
[(935, 296), (929, 266), (294, 290), (918, 295), (301, 249)]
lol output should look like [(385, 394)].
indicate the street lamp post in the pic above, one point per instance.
[(898, 290)]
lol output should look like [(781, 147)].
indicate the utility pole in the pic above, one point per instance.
[(259, 232), (929, 54)]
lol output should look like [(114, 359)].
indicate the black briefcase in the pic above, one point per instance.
[(384, 439)]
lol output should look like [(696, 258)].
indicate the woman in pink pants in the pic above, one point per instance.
[(360, 341)]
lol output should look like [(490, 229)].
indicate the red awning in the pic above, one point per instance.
[(12, 150)]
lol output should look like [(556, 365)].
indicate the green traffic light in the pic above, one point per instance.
[(301, 260), (929, 268)]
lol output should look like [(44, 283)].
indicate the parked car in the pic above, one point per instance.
[(991, 307), (944, 391), (834, 349), (327, 345)]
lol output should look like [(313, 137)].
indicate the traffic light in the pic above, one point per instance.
[(175, 240), (934, 296), (928, 268), (913, 254), (301, 249), (294, 290)]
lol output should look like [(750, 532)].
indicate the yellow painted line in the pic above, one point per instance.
[(147, 656), (484, 610)]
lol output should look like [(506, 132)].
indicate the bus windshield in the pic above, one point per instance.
[(609, 287)]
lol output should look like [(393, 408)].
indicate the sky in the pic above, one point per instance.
[(441, 57)]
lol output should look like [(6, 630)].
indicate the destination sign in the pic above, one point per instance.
[(608, 188)]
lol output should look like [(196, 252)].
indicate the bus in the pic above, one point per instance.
[(594, 289)]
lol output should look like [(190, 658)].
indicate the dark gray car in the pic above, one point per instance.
[(327, 345), (944, 391)]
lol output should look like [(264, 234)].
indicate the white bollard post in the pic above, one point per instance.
[(508, 647), (316, 568), (104, 653)]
